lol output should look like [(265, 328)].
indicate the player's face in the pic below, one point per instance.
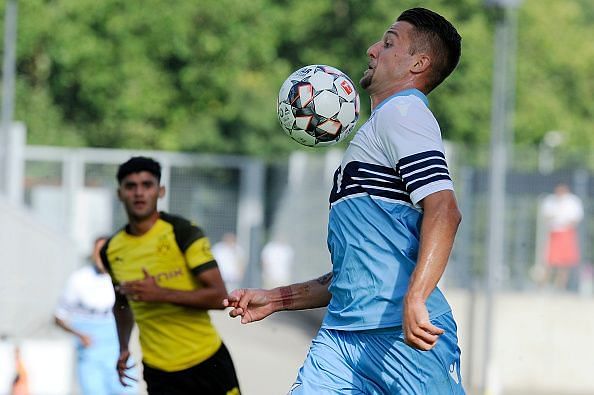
[(389, 60), (139, 193)]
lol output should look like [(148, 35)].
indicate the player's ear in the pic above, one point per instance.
[(421, 63), (119, 193), (161, 191)]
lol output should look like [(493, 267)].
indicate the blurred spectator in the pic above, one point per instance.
[(562, 211), (277, 261), (230, 259), (20, 385), (85, 310)]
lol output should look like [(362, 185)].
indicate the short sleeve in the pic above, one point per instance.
[(68, 300), (193, 243), (578, 209), (411, 140), (199, 255)]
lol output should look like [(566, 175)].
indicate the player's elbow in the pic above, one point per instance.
[(452, 211), (456, 216), (451, 214)]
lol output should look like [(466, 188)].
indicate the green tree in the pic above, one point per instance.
[(204, 75)]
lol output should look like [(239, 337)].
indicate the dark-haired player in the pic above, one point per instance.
[(393, 218), (166, 279)]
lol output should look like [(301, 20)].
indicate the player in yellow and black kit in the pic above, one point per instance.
[(166, 279)]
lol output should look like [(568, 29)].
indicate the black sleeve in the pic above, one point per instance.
[(185, 232)]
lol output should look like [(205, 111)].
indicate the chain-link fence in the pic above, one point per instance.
[(525, 229), (74, 191), (303, 213)]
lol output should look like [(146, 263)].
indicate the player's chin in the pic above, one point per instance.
[(365, 81), (141, 212)]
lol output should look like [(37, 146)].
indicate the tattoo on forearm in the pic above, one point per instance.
[(286, 297), (325, 279)]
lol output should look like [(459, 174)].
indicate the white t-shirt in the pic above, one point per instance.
[(230, 261), (562, 211), (88, 295), (277, 260)]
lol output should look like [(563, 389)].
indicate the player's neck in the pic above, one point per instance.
[(379, 97), (139, 226), (388, 91)]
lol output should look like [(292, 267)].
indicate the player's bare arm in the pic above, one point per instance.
[(440, 222), (124, 323), (85, 340), (256, 304), (209, 296)]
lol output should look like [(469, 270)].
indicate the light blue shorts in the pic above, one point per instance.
[(96, 364), (379, 362)]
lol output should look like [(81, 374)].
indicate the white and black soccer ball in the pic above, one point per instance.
[(318, 105)]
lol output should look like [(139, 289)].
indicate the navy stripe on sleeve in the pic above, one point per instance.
[(423, 169)]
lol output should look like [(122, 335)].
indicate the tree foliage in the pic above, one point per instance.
[(203, 75)]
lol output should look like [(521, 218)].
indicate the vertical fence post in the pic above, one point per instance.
[(464, 262), (8, 82), (15, 163), (580, 187), (250, 218), (73, 181), (501, 137), (164, 202)]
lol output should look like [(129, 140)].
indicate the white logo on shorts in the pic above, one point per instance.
[(293, 387), (454, 372)]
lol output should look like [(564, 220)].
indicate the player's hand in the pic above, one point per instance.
[(249, 304), (85, 340), (419, 332), (145, 290), (122, 368)]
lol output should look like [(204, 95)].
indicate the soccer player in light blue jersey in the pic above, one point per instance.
[(393, 217)]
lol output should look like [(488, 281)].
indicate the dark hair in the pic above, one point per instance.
[(436, 35), (137, 164)]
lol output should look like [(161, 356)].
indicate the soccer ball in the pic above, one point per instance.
[(318, 105)]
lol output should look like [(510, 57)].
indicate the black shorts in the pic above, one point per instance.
[(215, 376)]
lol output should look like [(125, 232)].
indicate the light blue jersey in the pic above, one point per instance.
[(395, 160)]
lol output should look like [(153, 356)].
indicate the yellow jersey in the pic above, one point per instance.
[(173, 251)]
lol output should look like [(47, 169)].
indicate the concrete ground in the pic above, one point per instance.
[(267, 354)]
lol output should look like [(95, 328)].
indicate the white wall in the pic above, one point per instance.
[(49, 365), (542, 342), (34, 265)]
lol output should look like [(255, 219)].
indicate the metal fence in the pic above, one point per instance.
[(73, 191), (303, 210), (525, 230)]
